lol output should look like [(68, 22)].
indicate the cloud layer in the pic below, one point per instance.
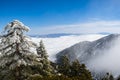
[(109, 61), (54, 45), (88, 27)]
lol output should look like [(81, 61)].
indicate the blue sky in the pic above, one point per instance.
[(63, 16)]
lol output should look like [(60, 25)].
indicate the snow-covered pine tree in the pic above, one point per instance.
[(15, 48), (47, 69), (41, 51)]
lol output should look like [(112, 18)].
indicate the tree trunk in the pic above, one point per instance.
[(17, 74)]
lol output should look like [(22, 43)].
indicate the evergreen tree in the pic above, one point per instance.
[(118, 77), (74, 70), (108, 76), (64, 66), (47, 69), (111, 77), (80, 70), (41, 51), (15, 50)]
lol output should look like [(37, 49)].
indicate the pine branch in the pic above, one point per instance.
[(7, 47), (7, 35)]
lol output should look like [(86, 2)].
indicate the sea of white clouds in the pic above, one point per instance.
[(54, 45)]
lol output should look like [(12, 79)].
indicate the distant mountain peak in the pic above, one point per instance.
[(53, 35)]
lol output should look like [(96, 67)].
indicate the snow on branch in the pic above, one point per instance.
[(16, 24)]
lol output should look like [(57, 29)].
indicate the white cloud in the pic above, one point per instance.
[(88, 27), (109, 61), (54, 45)]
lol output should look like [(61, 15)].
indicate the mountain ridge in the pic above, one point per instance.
[(85, 50)]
